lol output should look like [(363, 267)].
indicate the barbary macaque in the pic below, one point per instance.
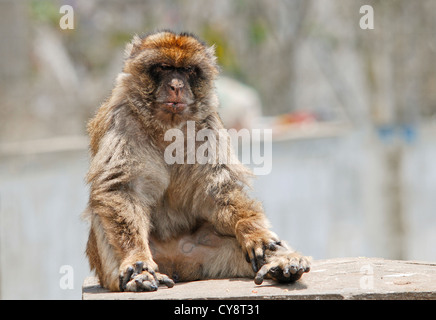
[(156, 223)]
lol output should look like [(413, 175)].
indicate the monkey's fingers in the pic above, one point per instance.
[(257, 260), (164, 279), (260, 275), (138, 278), (281, 274), (129, 274), (284, 268), (253, 261), (142, 282), (257, 257), (125, 277), (273, 246), (257, 245), (139, 265)]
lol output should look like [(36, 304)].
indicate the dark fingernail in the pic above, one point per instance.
[(138, 266), (293, 269), (125, 278), (253, 261), (260, 262), (286, 273), (258, 280), (272, 247), (176, 276), (121, 283), (254, 265)]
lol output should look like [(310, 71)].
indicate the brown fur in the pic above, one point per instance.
[(190, 221)]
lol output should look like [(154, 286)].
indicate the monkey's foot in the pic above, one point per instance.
[(283, 266), (138, 278)]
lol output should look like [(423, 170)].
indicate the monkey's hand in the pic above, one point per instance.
[(283, 265), (142, 277), (256, 244)]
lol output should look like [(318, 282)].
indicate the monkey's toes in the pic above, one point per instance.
[(142, 282), (148, 281), (138, 278)]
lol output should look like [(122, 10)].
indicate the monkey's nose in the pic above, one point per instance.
[(176, 84)]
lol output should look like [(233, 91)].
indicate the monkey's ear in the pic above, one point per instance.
[(210, 51), (132, 47)]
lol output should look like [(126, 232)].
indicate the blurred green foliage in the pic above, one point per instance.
[(226, 57), (45, 11), (258, 32), (118, 39)]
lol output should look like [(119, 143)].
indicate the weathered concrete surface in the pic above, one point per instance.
[(344, 278)]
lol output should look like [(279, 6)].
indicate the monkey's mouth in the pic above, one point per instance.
[(174, 107)]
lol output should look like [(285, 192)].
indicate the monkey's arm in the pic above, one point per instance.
[(242, 217), (268, 255), (120, 220)]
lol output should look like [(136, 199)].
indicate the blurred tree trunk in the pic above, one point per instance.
[(14, 64), (15, 60), (395, 63)]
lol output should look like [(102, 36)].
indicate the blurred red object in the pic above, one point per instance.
[(297, 117)]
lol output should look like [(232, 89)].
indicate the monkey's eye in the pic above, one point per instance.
[(163, 67), (166, 67), (188, 70)]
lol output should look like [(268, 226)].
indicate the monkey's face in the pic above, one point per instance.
[(174, 87), (174, 74)]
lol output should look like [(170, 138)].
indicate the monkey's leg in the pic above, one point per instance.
[(207, 255), (204, 254)]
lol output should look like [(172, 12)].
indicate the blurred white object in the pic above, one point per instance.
[(240, 105)]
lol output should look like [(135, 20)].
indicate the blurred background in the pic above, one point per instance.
[(353, 113)]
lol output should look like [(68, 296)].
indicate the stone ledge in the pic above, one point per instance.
[(343, 278)]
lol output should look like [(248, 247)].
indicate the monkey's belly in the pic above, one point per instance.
[(183, 257)]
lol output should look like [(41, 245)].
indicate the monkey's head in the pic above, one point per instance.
[(172, 74)]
